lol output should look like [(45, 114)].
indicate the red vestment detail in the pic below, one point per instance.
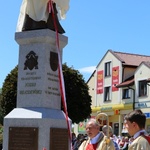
[(91, 146)]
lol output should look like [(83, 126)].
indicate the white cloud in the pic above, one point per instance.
[(89, 69)]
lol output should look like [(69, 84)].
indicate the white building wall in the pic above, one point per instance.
[(92, 90), (107, 81), (142, 73)]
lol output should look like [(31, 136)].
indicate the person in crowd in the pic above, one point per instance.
[(135, 123), (96, 139), (73, 138), (124, 143), (119, 139), (115, 138), (121, 142), (105, 130), (78, 141), (131, 139)]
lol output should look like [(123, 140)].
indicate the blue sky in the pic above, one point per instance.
[(92, 28)]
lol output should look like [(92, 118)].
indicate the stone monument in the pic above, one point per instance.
[(37, 122)]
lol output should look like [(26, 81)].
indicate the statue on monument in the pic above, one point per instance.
[(37, 14)]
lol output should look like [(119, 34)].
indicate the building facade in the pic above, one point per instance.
[(120, 84)]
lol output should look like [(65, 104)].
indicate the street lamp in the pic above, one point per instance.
[(133, 97)]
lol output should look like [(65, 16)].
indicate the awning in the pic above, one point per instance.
[(112, 107), (126, 83)]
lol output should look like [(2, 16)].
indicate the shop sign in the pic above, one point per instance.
[(147, 115), (106, 108), (116, 112), (142, 105)]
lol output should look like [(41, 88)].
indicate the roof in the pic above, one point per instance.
[(129, 82), (147, 63), (130, 59), (91, 76), (148, 80), (126, 83)]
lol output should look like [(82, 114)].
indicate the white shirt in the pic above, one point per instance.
[(94, 140), (138, 133)]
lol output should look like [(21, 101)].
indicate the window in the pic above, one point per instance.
[(107, 69), (142, 88), (126, 94), (107, 94)]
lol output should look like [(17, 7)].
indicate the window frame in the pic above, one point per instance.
[(107, 93), (126, 93), (142, 88), (108, 69)]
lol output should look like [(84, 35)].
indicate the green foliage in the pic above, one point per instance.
[(77, 96), (1, 115), (9, 92), (1, 134)]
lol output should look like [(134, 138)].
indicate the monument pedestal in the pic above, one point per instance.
[(38, 121)]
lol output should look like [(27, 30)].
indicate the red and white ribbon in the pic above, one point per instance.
[(60, 74)]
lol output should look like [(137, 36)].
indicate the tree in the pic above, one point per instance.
[(1, 116), (9, 92), (77, 96)]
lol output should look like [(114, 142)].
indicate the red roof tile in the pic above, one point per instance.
[(131, 59), (126, 83)]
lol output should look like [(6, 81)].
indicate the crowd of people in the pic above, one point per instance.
[(120, 142), (77, 140), (137, 138)]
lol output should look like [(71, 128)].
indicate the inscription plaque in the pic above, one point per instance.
[(23, 138), (59, 139)]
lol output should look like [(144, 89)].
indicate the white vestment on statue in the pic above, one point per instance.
[(38, 10)]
